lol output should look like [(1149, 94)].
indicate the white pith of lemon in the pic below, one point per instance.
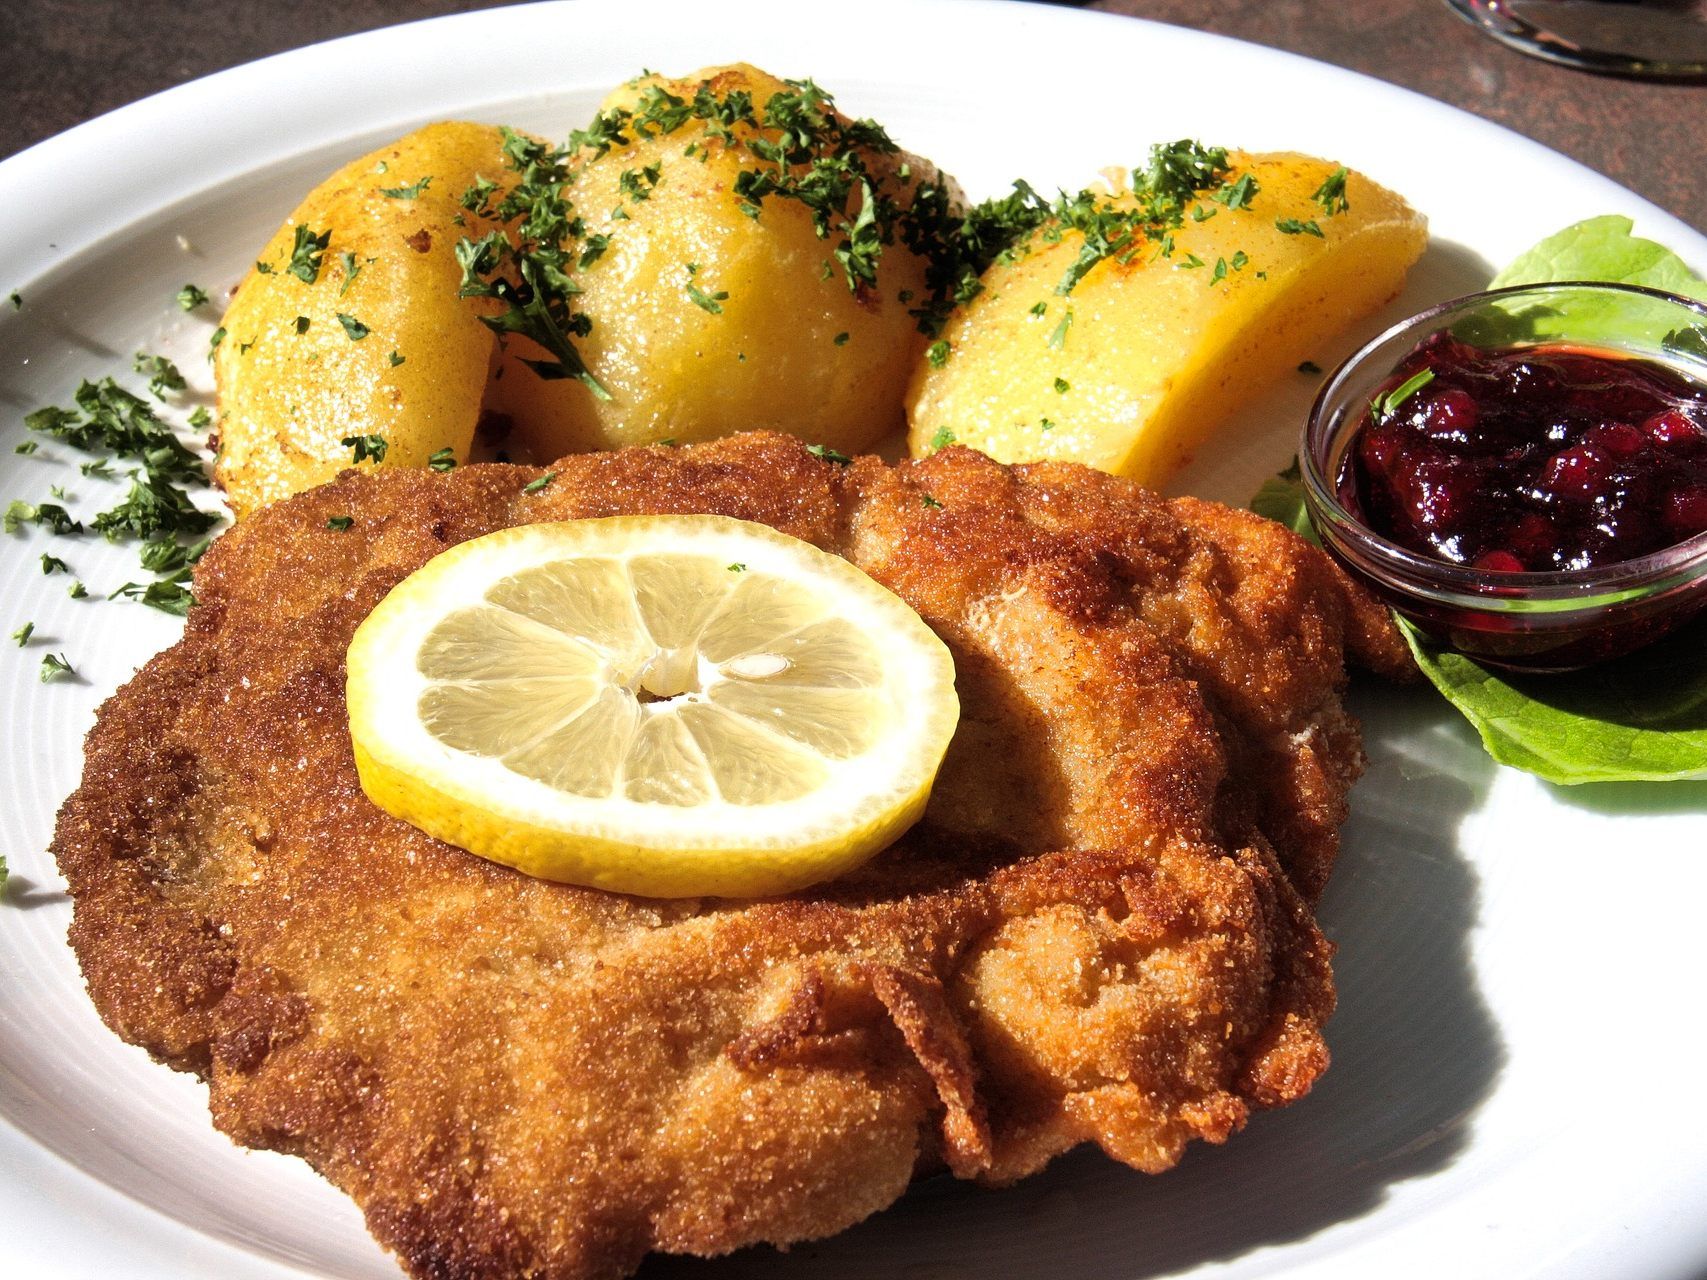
[(661, 705)]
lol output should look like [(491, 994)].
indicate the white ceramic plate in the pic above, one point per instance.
[(1518, 1047)]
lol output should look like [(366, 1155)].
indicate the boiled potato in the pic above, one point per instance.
[(1136, 366), (705, 320), (377, 342)]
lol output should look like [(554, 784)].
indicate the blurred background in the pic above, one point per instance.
[(65, 61)]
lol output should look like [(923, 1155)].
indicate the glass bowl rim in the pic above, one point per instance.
[(1466, 581)]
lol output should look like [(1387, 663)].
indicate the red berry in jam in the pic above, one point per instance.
[(1579, 474), (1675, 430), (1531, 458), (1617, 439), (1379, 448), (1685, 511), (1499, 562), (1450, 417)]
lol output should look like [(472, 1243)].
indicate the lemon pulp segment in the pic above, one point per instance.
[(667, 705)]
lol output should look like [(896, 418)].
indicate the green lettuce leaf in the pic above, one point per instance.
[(1602, 249), (1639, 718), (1281, 498)]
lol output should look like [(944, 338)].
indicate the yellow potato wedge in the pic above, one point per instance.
[(706, 320), (375, 341), (1143, 359)]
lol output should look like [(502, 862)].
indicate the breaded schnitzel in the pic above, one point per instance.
[(1101, 931)]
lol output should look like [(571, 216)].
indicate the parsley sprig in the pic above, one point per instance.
[(526, 268)]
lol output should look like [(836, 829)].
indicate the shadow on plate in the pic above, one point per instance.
[(1416, 1053), (23, 894)]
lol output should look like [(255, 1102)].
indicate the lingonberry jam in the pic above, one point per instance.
[(1529, 458)]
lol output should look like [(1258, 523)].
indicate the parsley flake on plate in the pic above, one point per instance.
[(55, 667)]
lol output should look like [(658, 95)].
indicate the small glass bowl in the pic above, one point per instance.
[(1532, 621)]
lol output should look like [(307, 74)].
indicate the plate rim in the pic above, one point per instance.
[(88, 149)]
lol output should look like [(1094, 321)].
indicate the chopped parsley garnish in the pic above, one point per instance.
[(55, 666), (162, 374), (1062, 386), (942, 439), (396, 359), (166, 555), (301, 324), (340, 523), (937, 353), (22, 634), (354, 329), (49, 515), (306, 252), (192, 296), (1046, 424), (154, 506), (737, 567), (1309, 366), (1331, 194), (1039, 308), (1294, 227), (199, 417), (53, 564), (352, 269), (824, 453), (841, 339), (217, 337), (711, 302), (442, 459), (478, 198), (1237, 195), (366, 447), (409, 192), (28, 446), (637, 184), (534, 486), (1384, 407), (114, 422), (166, 595), (595, 246), (529, 273), (1058, 339), (929, 502), (16, 299)]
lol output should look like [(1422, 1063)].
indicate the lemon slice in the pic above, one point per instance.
[(661, 705)]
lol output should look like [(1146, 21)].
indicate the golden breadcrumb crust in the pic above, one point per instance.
[(1101, 932)]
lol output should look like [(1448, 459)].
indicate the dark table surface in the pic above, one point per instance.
[(64, 61)]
